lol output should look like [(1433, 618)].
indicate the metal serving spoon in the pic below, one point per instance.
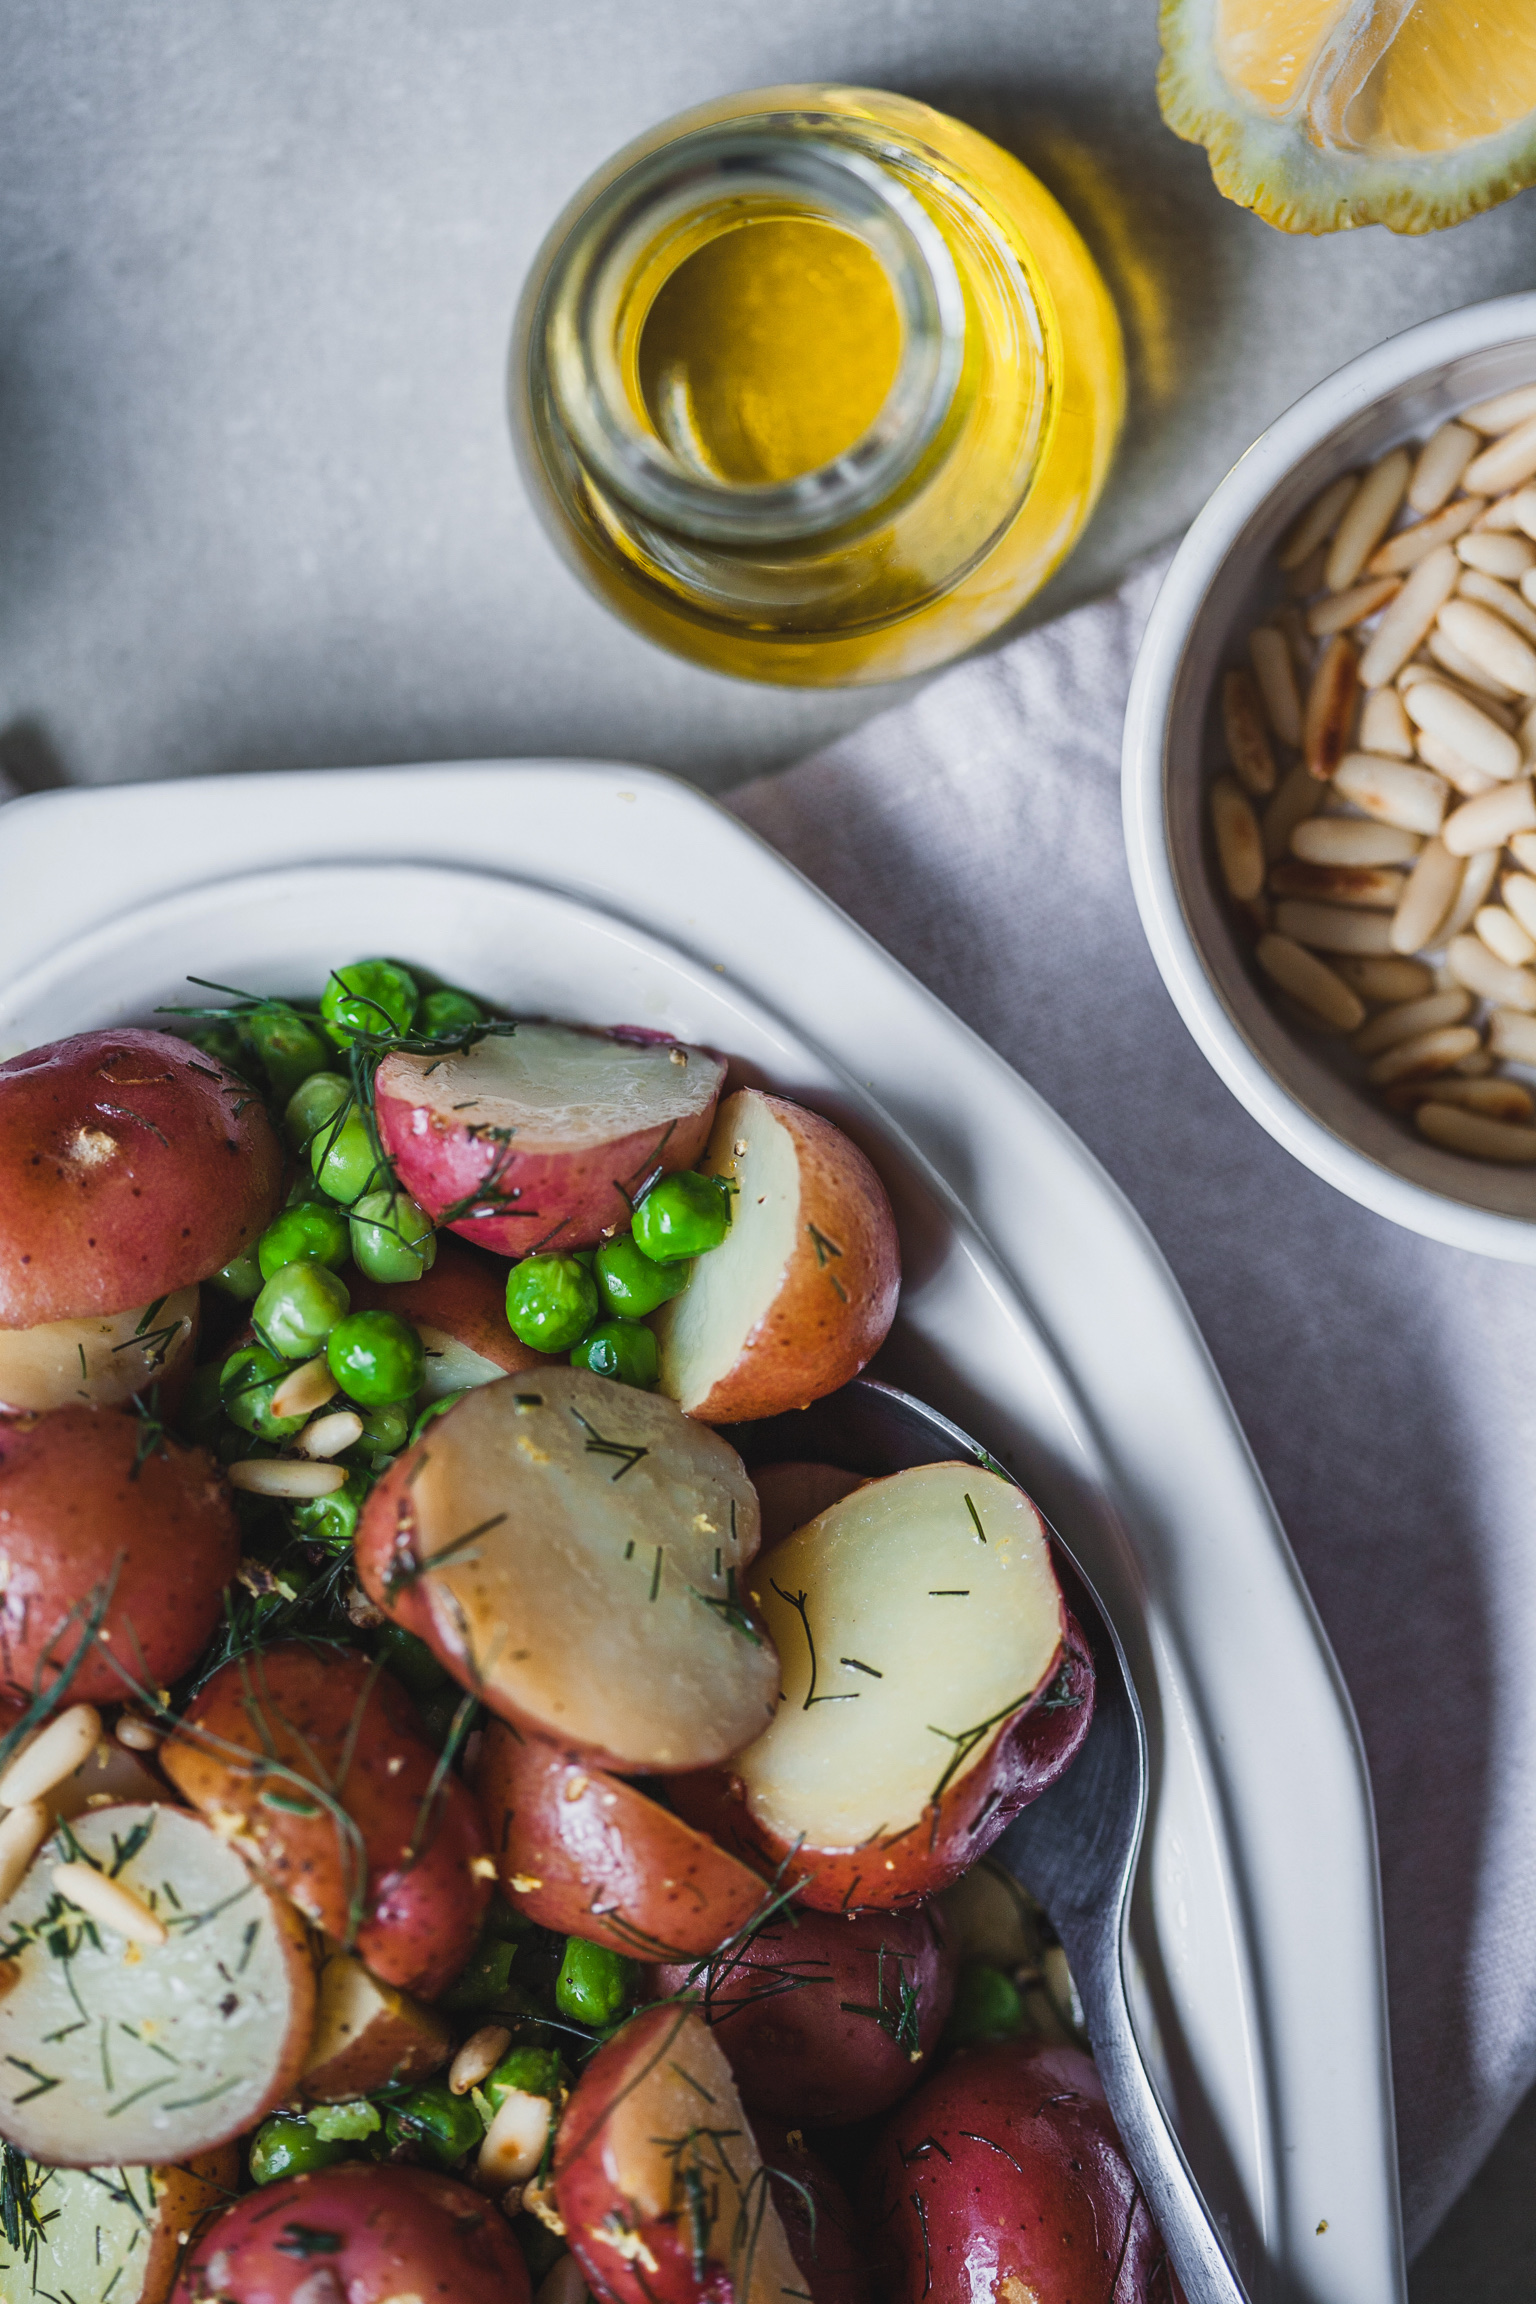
[(1075, 1848)]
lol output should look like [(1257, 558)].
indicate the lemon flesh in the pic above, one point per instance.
[(1321, 114)]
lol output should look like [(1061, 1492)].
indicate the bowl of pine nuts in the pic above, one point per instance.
[(1330, 779)]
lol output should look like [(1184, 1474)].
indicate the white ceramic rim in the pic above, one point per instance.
[(1196, 567)]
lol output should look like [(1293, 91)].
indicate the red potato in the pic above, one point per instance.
[(791, 1494), (88, 1514), (657, 2176), (408, 1878), (824, 2230), (933, 1686), (588, 1854), (106, 1359), (1004, 2176), (115, 2235), (826, 2019), (134, 1166), (570, 1549), (358, 2234), (802, 1290), (459, 1310), (545, 1138)]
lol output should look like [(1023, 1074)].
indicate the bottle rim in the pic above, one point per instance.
[(583, 302)]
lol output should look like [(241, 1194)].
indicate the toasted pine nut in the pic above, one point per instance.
[(1337, 611), (1275, 673), (1492, 645), (515, 2140), (1512, 1035), (1503, 411), (1507, 556), (1469, 675), (53, 1753), (1488, 821), (108, 1901), (1410, 546), (1430, 704), (1292, 628), (1319, 520), (1425, 1055), (1473, 965), (328, 1435), (1311, 981), (1239, 849), (22, 1833), (1393, 792), (1386, 980), (1503, 599), (1503, 935), (1331, 705), (1459, 1131), (1448, 762), (136, 1734), (1413, 1017), (1247, 738), (1346, 840), (1495, 1099), (1477, 877), (1384, 725), (1365, 885), (1409, 617), (1369, 514), (1295, 798), (1428, 894), (1511, 460), (1477, 1066), (306, 1389), (1332, 928), (478, 2058), (1441, 462), (277, 1476)]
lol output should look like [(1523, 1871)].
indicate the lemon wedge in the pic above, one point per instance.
[(1321, 114)]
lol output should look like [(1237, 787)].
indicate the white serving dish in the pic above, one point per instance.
[(1221, 581), (1035, 1310)]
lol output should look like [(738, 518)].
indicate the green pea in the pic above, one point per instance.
[(289, 1050), (684, 1215), (551, 1302), (442, 2126), (412, 1661), (201, 1410), (623, 1349), (343, 1158), (392, 1239), (631, 1284), (369, 996), (347, 2123), (332, 1520), (376, 1358), (241, 1277), (385, 1430), (298, 1308), (286, 2145), (435, 1408), (445, 1012), (594, 1985), (223, 1043), (310, 1107), (314, 1231), (484, 1980), (987, 2006), (526, 2072), (247, 1381)]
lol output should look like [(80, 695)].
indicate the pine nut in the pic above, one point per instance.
[(1511, 460), (1384, 725), (1522, 510), (1522, 846), (478, 2058), (1390, 980), (515, 2140), (1500, 1099), (53, 1753), (22, 1833), (137, 1735), (1503, 411), (1409, 617), (1458, 1131), (1473, 965), (1475, 692), (306, 1389), (1307, 576), (1477, 1066), (1347, 840), (1331, 705), (1491, 644), (1428, 894), (1369, 514), (1445, 758), (1319, 520), (1512, 1035), (1366, 886), (1410, 546), (1478, 875), (1339, 610), (1247, 738), (1503, 935), (1503, 599), (564, 2283), (1296, 797), (328, 1435), (1275, 673), (1394, 1025), (276, 1476), (1460, 665), (1239, 849), (1422, 1057), (108, 1901), (1503, 514), (1441, 462), (1332, 928), (1394, 793), (1527, 732), (1311, 981), (1519, 894), (1431, 705), (1488, 821), (1506, 556)]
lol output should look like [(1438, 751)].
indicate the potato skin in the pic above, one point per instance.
[(464, 1294), (302, 1706), (833, 2249), (77, 1510), (787, 2011), (134, 1166), (611, 1864), (402, 2232), (1011, 2150), (1028, 1755), (793, 1493)]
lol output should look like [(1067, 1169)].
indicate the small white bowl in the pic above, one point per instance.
[(1222, 580)]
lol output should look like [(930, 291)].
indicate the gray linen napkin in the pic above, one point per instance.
[(1386, 1383)]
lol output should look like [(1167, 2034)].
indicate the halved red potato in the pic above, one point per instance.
[(587, 1853), (790, 1494), (826, 2018), (134, 1166), (114, 2235), (380, 1854), (657, 2175), (571, 1549), (933, 1685), (459, 1310), (105, 1359), (368, 2035), (140, 2051), (358, 2234), (93, 1515), (1009, 2156), (802, 1290), (833, 2250), (544, 1138)]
